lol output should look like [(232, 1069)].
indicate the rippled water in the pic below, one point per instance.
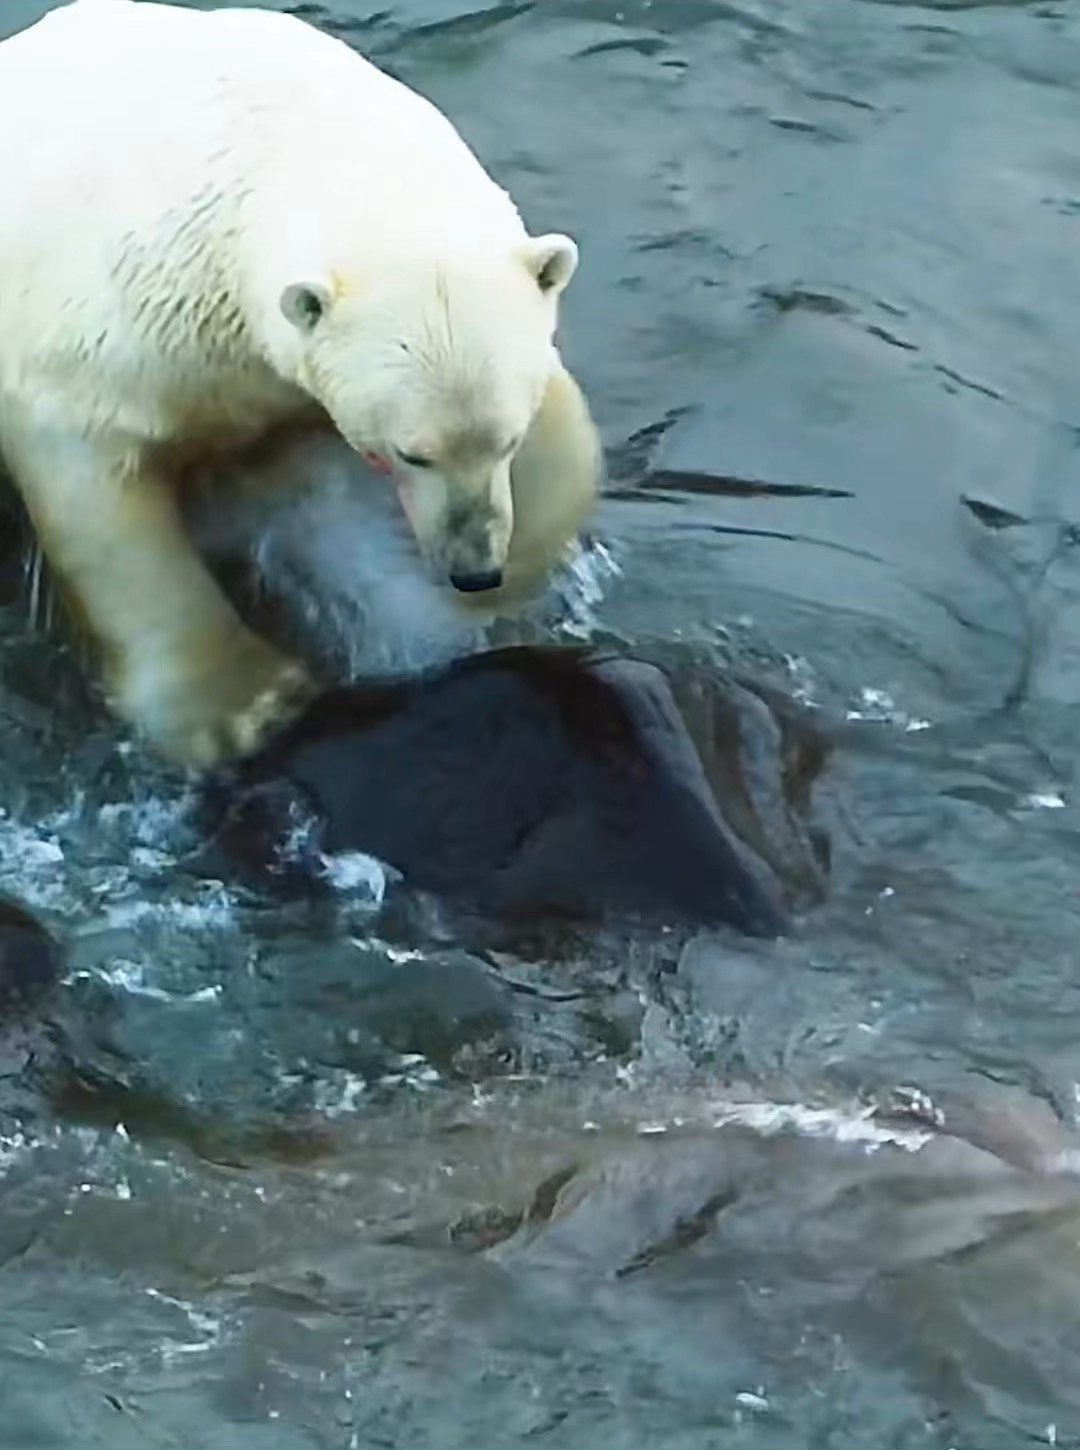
[(835, 246)]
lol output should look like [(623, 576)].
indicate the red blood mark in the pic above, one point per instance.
[(378, 462), (381, 464)]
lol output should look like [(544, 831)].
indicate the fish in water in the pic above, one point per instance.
[(523, 783), (846, 1192)]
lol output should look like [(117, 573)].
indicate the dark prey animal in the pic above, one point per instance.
[(524, 783)]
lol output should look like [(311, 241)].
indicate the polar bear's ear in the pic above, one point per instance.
[(552, 259), (304, 303)]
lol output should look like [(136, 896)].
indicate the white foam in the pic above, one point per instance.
[(213, 912), (879, 706), (33, 869), (14, 1147), (131, 977), (842, 1125), (357, 873)]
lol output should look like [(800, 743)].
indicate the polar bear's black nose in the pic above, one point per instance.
[(477, 583)]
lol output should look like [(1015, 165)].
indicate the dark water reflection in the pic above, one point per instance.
[(835, 245)]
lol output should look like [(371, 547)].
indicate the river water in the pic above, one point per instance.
[(832, 245)]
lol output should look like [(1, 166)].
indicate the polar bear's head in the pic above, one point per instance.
[(434, 368)]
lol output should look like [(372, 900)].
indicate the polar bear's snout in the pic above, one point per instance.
[(475, 545), (463, 527)]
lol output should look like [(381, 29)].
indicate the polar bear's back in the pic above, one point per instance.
[(116, 50), (124, 71), (139, 103)]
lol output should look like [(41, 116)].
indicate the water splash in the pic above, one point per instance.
[(327, 537)]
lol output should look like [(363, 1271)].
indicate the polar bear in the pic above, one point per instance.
[(217, 227)]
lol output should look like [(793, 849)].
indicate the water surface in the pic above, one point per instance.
[(834, 245)]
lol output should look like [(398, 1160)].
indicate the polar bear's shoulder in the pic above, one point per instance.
[(187, 72), (147, 25)]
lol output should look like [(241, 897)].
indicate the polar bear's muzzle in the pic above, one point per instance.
[(467, 541), (472, 548), (464, 533)]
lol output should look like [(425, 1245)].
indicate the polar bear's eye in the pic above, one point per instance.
[(414, 460)]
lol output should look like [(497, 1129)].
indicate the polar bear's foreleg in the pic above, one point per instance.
[(179, 663)]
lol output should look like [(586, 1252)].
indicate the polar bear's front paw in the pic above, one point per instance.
[(231, 732), (214, 705)]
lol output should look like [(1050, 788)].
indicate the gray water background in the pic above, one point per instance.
[(837, 242)]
